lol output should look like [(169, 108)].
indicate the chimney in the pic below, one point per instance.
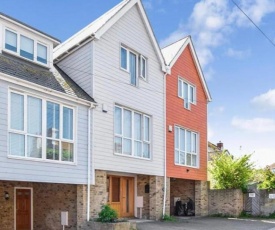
[(220, 146)]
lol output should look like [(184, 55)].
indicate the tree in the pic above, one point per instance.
[(229, 172), (268, 179)]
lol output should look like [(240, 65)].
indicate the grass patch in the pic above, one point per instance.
[(168, 218)]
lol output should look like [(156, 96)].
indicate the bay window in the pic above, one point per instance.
[(40, 129), (186, 147), (132, 133)]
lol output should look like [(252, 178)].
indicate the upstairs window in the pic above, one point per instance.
[(187, 92), (40, 129), (26, 47), (11, 41), (132, 133), (132, 62), (186, 147)]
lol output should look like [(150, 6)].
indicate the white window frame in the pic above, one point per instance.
[(143, 141), (142, 58), (197, 153), (17, 53), (44, 129), (181, 82)]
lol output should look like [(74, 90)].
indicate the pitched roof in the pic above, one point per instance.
[(98, 27), (172, 52), (55, 79), (9, 18)]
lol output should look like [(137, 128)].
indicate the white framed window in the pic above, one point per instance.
[(143, 67), (132, 133), (187, 92), (133, 62), (25, 47), (40, 129), (186, 147)]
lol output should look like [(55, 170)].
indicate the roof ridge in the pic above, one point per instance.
[(176, 41)]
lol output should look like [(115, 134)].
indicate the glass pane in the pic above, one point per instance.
[(143, 69), (146, 150), (188, 159), (118, 118), (118, 145), (67, 152), (185, 95), (17, 111), (194, 160), (182, 158), (17, 144), (146, 128), (191, 94), (52, 150), (115, 189), (137, 128), (52, 120), (177, 161), (194, 143), (177, 138), (68, 123), (133, 69), (188, 141), (34, 147), (180, 92), (127, 123), (41, 53), (123, 58), (138, 148), (182, 139), (11, 41), (127, 146), (34, 116), (26, 47)]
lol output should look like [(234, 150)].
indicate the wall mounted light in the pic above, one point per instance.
[(170, 128), (7, 196)]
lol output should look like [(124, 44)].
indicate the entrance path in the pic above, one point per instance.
[(209, 223)]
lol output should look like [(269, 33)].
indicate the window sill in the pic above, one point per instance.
[(42, 160), (133, 157), (188, 166)]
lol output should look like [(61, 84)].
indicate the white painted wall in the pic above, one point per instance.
[(112, 85), (37, 171)]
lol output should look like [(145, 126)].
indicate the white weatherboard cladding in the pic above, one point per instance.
[(37, 171), (112, 85), (78, 66)]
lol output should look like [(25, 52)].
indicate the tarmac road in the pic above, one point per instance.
[(210, 223)]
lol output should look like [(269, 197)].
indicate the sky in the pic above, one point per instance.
[(237, 60)]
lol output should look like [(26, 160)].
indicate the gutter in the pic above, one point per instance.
[(165, 130)]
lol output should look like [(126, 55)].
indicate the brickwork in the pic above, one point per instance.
[(156, 197), (226, 202), (48, 202), (143, 180), (201, 198), (183, 189), (99, 193), (81, 203)]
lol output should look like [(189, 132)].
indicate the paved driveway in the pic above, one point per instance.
[(210, 223)]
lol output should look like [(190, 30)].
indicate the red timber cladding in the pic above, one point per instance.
[(194, 119)]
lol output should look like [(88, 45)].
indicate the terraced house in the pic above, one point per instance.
[(105, 117)]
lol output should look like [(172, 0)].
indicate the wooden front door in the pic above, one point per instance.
[(121, 195), (23, 209)]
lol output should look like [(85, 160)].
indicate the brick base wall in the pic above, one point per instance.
[(201, 198), (48, 202), (143, 180)]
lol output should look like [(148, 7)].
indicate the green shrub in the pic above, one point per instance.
[(168, 218), (107, 214)]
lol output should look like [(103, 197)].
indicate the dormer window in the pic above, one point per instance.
[(26, 47)]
